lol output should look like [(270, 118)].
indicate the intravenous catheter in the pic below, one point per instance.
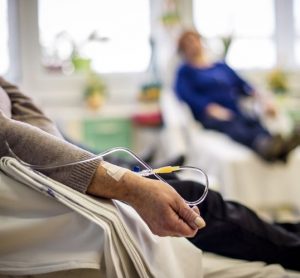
[(148, 171)]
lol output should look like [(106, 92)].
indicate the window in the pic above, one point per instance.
[(297, 30), (4, 54), (113, 35), (251, 23)]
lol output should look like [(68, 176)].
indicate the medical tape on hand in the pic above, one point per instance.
[(114, 171)]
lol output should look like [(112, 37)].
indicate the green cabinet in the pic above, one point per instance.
[(104, 133)]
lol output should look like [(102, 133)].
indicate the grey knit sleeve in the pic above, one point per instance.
[(35, 146), (35, 139)]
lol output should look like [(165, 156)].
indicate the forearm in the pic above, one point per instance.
[(35, 146), (219, 112)]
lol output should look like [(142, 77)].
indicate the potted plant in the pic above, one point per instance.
[(95, 91)]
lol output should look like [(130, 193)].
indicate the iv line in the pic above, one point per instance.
[(172, 169), (149, 171)]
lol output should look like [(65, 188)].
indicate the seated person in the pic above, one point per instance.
[(231, 229), (213, 92)]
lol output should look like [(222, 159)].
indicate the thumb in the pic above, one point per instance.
[(192, 217)]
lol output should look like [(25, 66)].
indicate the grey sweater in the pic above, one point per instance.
[(36, 140)]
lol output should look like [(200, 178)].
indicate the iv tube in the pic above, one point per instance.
[(148, 170)]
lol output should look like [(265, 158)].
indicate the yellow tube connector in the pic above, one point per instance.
[(166, 169)]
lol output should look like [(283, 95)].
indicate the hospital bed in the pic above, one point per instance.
[(235, 170), (47, 227)]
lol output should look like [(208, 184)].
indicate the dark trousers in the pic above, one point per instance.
[(235, 231), (240, 128)]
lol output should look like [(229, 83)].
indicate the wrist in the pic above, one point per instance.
[(105, 186), (132, 185)]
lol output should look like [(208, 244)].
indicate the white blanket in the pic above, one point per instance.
[(38, 234)]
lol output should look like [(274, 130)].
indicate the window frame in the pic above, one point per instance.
[(284, 36), (13, 72), (135, 41), (25, 51), (34, 78), (7, 25), (296, 38)]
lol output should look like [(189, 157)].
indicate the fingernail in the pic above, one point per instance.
[(199, 222)]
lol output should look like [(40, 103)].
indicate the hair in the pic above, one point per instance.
[(183, 36)]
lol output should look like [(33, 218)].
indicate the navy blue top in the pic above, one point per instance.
[(218, 83)]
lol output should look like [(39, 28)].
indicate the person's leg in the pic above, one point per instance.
[(235, 231), (287, 144), (254, 125), (291, 227), (250, 133), (239, 129)]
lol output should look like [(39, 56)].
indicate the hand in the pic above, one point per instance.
[(159, 205), (219, 112), (164, 211), (270, 109)]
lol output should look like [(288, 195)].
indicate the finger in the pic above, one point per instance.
[(176, 226), (184, 230), (196, 209), (191, 217), (199, 221)]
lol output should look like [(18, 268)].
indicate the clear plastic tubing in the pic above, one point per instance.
[(147, 172)]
